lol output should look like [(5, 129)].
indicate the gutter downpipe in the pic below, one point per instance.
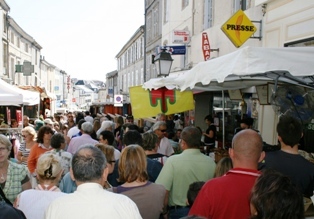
[(145, 38)]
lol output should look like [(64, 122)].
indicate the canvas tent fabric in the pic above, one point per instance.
[(14, 96), (244, 68), (44, 93)]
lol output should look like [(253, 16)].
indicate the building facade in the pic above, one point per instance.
[(130, 67), (279, 23)]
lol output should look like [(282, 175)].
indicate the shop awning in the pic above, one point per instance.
[(44, 93), (12, 95), (244, 68)]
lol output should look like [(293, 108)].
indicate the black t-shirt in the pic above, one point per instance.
[(208, 140), (300, 170)]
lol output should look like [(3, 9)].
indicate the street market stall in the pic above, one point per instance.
[(12, 97), (245, 68)]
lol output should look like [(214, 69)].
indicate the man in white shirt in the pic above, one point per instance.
[(165, 147), (90, 200)]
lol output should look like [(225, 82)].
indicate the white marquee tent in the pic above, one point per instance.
[(245, 68), (11, 95)]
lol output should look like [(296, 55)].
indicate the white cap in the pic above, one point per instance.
[(48, 121)]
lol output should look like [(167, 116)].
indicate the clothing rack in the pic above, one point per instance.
[(10, 132), (14, 135)]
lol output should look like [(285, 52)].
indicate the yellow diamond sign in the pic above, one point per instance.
[(238, 28)]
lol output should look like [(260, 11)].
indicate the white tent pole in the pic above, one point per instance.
[(38, 108), (223, 119)]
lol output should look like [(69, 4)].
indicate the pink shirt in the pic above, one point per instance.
[(77, 142)]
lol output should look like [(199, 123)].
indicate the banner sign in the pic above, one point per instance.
[(147, 103)]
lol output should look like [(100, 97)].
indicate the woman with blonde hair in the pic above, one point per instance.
[(35, 201), (223, 166), (133, 174), (29, 135)]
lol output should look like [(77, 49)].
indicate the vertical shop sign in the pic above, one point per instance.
[(205, 46), (68, 83), (19, 117)]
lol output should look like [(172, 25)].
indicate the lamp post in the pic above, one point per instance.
[(163, 62)]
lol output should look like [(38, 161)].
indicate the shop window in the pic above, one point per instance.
[(241, 4), (208, 14)]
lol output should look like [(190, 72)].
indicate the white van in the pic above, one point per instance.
[(61, 110)]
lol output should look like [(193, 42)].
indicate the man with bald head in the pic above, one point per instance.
[(228, 196)]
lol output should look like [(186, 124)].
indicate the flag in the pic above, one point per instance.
[(146, 103)]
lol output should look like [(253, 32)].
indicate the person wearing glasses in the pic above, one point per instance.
[(108, 151), (29, 136), (13, 177), (160, 129)]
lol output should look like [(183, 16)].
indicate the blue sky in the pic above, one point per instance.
[(80, 37)]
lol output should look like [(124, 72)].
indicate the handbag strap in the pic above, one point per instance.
[(4, 197)]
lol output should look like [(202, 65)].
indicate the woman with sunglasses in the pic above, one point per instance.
[(108, 151), (29, 136)]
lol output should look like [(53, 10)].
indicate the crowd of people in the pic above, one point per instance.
[(85, 166)]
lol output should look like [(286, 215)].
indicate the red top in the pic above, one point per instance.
[(227, 196)]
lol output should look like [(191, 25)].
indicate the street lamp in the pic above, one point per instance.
[(163, 62)]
